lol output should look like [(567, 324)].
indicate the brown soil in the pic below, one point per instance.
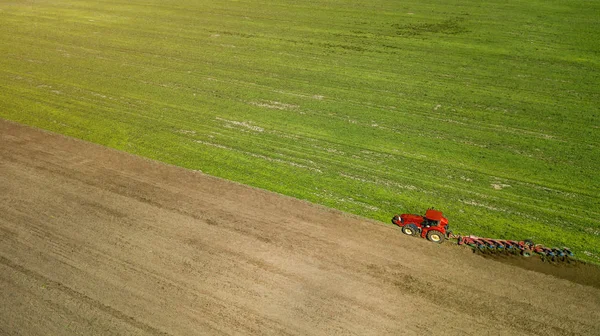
[(98, 242)]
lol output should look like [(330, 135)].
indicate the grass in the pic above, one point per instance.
[(488, 111)]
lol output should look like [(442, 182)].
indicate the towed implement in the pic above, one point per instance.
[(434, 226), (525, 248)]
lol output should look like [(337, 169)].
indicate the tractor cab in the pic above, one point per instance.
[(432, 218)]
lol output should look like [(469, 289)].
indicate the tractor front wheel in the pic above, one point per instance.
[(435, 236), (411, 230)]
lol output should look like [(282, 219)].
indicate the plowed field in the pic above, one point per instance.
[(98, 242)]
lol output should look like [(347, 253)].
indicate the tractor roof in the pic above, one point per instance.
[(433, 215)]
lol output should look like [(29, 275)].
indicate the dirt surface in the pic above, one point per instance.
[(98, 242)]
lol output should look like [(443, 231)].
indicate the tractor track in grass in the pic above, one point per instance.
[(95, 241)]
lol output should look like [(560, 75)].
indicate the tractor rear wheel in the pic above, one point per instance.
[(435, 236), (411, 230)]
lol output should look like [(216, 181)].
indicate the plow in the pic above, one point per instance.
[(525, 248), (434, 227)]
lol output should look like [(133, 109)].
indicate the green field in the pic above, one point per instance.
[(486, 110)]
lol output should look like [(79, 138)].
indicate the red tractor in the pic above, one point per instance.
[(433, 226)]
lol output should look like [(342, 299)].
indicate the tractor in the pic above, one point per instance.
[(433, 226)]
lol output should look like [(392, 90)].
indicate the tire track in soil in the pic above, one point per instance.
[(82, 297)]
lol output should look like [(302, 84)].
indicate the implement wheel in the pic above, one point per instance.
[(411, 230), (435, 236)]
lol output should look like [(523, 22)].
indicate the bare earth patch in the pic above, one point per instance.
[(499, 186), (275, 105), (244, 124)]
